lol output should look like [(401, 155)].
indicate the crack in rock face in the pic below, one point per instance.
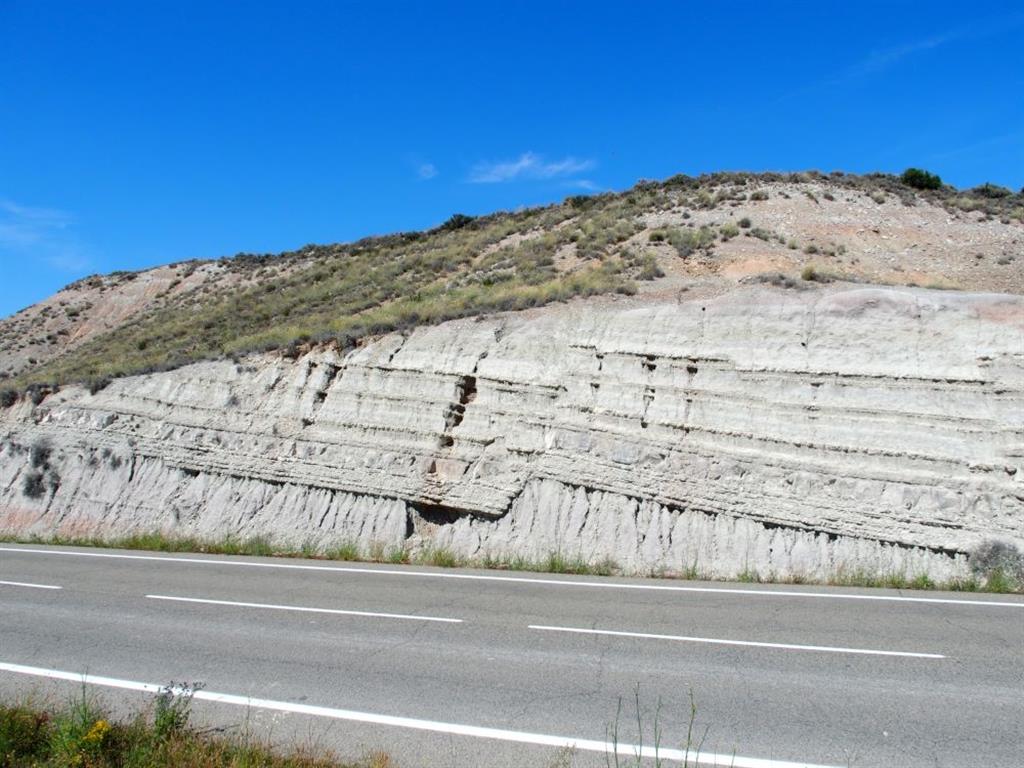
[(848, 430)]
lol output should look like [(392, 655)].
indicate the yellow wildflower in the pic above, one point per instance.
[(98, 731)]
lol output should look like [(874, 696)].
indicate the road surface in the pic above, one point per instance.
[(472, 668)]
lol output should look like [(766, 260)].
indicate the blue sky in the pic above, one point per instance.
[(139, 133)]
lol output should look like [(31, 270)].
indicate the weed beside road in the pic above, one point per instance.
[(82, 734)]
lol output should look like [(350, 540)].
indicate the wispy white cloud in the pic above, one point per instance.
[(987, 144), (881, 60), (21, 225), (426, 171), (878, 61), (528, 165), (585, 184), (46, 234)]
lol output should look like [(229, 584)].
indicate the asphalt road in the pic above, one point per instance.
[(478, 668)]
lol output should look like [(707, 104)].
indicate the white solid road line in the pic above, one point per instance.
[(26, 584), (715, 641), (480, 732), (337, 611), (518, 579)]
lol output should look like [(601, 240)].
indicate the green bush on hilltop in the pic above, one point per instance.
[(991, 191), (918, 179), (457, 221)]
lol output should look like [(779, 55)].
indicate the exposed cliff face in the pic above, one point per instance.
[(813, 432)]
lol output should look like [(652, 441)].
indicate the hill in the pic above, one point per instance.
[(704, 233)]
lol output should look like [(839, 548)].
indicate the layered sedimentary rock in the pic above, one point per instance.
[(784, 432)]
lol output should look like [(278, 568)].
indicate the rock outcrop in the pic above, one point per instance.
[(813, 433)]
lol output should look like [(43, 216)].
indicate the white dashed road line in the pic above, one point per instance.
[(750, 643), (26, 584), (337, 611)]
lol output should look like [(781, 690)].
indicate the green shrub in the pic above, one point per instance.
[(991, 191), (38, 392), (811, 273), (39, 456), (98, 384), (8, 397), (919, 179), (345, 550), (23, 734), (77, 735), (744, 223), (439, 557), (457, 221), (969, 204), (34, 485), (581, 201), (777, 279), (649, 269), (729, 231), (686, 241), (172, 709), (999, 564), (556, 562)]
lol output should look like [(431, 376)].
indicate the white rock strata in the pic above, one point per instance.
[(788, 433)]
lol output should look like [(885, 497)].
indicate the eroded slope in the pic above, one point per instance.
[(815, 432)]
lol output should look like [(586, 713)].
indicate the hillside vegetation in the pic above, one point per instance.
[(784, 229)]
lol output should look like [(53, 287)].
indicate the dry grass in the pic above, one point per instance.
[(993, 569), (340, 294)]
